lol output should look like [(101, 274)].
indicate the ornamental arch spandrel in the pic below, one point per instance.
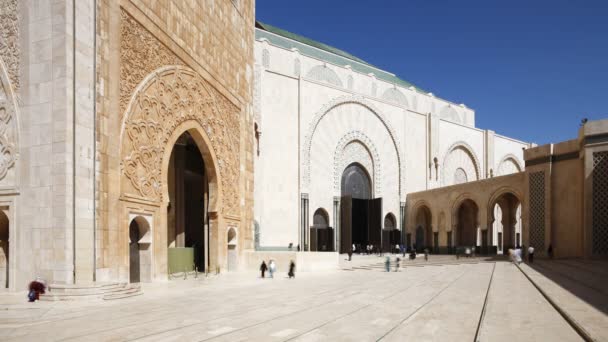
[(167, 103)]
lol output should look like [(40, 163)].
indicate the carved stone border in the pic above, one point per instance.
[(515, 160), (339, 163), (360, 100), (471, 153)]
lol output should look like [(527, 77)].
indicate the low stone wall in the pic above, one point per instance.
[(305, 261)]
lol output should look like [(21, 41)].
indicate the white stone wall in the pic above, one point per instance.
[(309, 110)]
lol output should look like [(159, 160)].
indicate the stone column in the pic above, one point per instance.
[(337, 223), (304, 222)]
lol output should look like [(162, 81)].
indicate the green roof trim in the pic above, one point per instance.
[(324, 52)]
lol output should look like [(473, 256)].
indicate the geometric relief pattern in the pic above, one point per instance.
[(322, 73), (357, 147), (600, 203), (450, 114), (7, 148), (537, 210), (314, 123), (459, 165), (10, 49), (507, 166), (168, 98), (395, 96), (460, 176)]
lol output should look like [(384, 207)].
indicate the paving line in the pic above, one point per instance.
[(178, 309), (422, 306), (368, 305), (240, 311), (485, 304), (571, 321)]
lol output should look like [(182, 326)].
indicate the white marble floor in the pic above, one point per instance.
[(424, 303)]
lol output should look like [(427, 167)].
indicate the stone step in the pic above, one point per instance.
[(60, 292), (125, 293)]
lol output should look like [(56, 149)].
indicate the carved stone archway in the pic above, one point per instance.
[(168, 102), (455, 159), (342, 160), (360, 100), (508, 164)]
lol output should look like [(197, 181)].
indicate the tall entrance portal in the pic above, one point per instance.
[(360, 215), (187, 213)]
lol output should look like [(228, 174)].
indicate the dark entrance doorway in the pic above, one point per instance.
[(188, 195), (360, 215), (134, 269)]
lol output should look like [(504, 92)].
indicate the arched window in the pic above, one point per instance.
[(389, 221), (320, 219)]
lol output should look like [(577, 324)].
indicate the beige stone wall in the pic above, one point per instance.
[(209, 44)]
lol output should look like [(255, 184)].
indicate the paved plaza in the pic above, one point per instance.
[(443, 299)]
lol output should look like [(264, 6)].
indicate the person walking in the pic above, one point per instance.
[(518, 255), (272, 266), (387, 264), (350, 255), (263, 268), (292, 270), (531, 254), (354, 248), (397, 261), (426, 254)]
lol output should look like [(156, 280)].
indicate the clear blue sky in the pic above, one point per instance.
[(530, 69)]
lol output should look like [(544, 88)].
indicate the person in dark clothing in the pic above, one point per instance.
[(36, 288), (350, 255), (550, 251), (263, 268), (292, 270)]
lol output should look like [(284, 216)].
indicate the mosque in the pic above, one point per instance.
[(141, 140)]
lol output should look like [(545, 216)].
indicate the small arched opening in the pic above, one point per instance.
[(232, 256), (467, 229), (424, 230), (321, 234), (4, 248), (140, 258), (506, 222)]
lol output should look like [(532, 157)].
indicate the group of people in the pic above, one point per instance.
[(517, 255), (272, 268), (387, 264)]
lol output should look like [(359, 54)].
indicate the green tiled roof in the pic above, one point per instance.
[(324, 52)]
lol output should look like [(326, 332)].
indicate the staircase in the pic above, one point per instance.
[(91, 292)]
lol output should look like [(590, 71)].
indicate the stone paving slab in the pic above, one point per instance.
[(587, 307), (420, 303), (517, 311)]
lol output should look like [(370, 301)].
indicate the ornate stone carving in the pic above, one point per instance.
[(349, 82), (460, 176), (357, 147), (395, 96), (140, 54), (167, 98), (305, 153), (460, 155), (266, 58), (323, 73), (600, 203), (537, 209), (509, 164), (450, 114), (10, 49), (7, 131)]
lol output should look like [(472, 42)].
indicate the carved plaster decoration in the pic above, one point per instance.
[(357, 147), (266, 58), (140, 54), (164, 100), (323, 73), (460, 155), (395, 96), (8, 152), (10, 50), (360, 100), (450, 114), (297, 67), (509, 164), (460, 176)]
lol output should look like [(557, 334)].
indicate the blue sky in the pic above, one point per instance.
[(530, 69)]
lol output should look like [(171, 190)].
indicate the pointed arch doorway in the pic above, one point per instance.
[(360, 213)]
